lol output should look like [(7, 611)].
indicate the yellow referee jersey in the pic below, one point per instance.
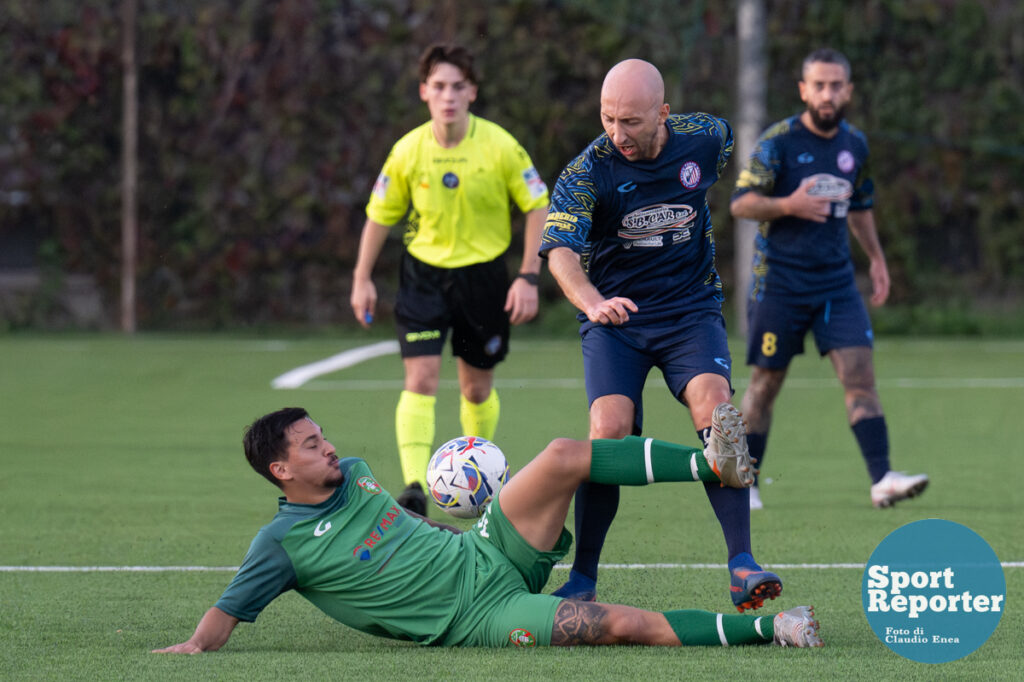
[(459, 196)]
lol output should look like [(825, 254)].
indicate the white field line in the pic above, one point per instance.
[(300, 376), (232, 569), (500, 383)]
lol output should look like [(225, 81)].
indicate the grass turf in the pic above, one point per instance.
[(126, 452)]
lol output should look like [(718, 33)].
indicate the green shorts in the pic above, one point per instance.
[(506, 608)]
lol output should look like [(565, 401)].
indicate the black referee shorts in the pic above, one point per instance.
[(469, 300)]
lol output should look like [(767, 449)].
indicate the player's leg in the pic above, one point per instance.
[(422, 320), (536, 499), (414, 427), (611, 416), (480, 334), (583, 623), (758, 403), (707, 396), (615, 371), (696, 364), (844, 333), (479, 407), (775, 334)]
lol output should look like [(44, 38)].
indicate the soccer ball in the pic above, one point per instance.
[(465, 474)]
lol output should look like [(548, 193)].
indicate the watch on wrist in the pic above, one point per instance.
[(530, 277)]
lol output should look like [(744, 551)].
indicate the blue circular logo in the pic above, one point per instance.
[(450, 180), (933, 591)]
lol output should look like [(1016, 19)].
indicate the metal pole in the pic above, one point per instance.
[(750, 119), (129, 168)]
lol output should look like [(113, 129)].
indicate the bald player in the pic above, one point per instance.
[(629, 239)]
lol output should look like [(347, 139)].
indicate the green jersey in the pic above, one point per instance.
[(361, 559)]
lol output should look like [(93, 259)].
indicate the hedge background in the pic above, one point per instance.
[(264, 123)]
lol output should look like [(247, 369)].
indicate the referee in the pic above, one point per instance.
[(452, 178)]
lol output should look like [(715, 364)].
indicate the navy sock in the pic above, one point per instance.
[(756, 443), (732, 508), (596, 505), (873, 439)]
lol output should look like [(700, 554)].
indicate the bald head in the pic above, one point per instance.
[(633, 109), (634, 80)]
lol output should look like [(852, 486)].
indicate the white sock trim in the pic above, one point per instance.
[(721, 630), (693, 467), (647, 460), (757, 626)]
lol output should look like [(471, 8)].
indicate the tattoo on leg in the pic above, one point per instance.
[(578, 622)]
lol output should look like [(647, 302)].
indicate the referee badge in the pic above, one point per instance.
[(450, 180)]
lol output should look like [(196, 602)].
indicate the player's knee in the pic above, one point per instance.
[(610, 426), (566, 455)]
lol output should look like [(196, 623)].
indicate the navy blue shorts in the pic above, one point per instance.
[(616, 360), (778, 325)]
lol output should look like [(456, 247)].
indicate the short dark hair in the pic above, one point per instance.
[(446, 53), (265, 441), (828, 56)]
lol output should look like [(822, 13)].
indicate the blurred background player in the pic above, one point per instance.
[(412, 579), (807, 181), (630, 241), (458, 172)]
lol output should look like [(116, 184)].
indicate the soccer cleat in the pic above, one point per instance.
[(727, 452), (413, 498), (797, 627), (755, 498), (751, 585), (896, 486), (578, 587)]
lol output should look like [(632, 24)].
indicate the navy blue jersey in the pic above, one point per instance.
[(643, 228), (793, 256)]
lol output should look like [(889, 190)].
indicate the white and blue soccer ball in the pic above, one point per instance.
[(465, 474)]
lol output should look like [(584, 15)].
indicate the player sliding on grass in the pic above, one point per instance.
[(343, 543)]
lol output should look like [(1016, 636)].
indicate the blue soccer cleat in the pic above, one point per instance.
[(578, 587), (751, 585)]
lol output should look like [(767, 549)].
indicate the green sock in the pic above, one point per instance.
[(703, 628), (480, 419), (639, 461)]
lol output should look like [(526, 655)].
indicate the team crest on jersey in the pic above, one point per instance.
[(450, 180), (689, 174), (845, 161), (369, 485), (522, 638), (380, 188), (644, 226)]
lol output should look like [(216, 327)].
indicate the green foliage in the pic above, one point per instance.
[(264, 123)]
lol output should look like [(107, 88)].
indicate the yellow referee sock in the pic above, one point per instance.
[(414, 427), (480, 419)]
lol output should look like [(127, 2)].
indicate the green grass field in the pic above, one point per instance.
[(125, 452)]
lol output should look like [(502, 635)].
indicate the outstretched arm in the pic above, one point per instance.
[(564, 264), (212, 633)]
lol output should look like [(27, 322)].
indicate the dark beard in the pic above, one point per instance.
[(826, 125)]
